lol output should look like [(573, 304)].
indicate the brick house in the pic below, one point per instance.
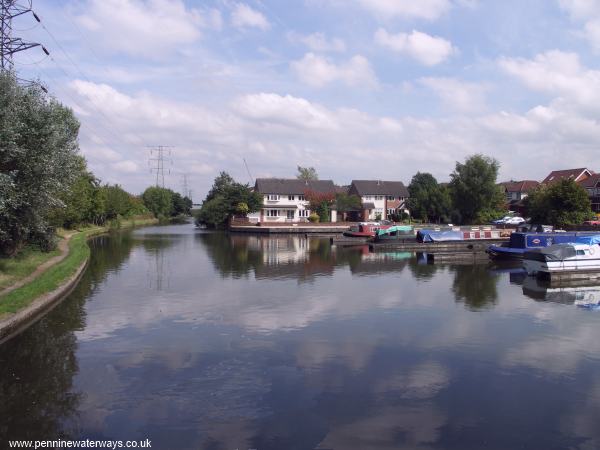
[(379, 198)]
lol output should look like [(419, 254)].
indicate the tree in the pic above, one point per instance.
[(77, 199), (225, 199), (307, 173), (320, 203), (182, 206), (159, 201), (428, 200), (473, 188), (347, 202), (38, 163), (561, 204), (220, 185)]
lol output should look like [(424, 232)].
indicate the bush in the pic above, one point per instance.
[(38, 162), (314, 218)]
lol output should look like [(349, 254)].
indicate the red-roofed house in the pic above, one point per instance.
[(516, 191), (592, 186), (574, 174)]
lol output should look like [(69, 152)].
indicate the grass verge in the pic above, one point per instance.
[(54, 276), (50, 279), (14, 269)]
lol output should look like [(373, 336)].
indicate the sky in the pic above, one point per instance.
[(358, 89)]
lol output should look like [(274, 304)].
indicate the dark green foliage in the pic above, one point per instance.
[(182, 206), (224, 199), (345, 202), (428, 201), (38, 162), (561, 203), (159, 201), (475, 195)]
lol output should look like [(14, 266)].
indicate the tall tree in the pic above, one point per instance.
[(474, 191), (38, 162), (561, 203), (226, 198), (307, 173), (159, 200), (428, 200)]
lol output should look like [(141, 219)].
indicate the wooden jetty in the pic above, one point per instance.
[(471, 245)]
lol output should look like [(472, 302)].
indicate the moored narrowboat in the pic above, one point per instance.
[(367, 229), (520, 242), (395, 233)]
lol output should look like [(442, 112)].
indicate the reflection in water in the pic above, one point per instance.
[(475, 286), (584, 294), (283, 342)]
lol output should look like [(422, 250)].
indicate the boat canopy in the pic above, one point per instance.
[(589, 240), (558, 252), (395, 228), (439, 236)]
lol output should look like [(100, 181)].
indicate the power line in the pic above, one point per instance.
[(187, 192), (158, 155), (9, 44)]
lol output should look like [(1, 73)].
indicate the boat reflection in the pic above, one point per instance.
[(582, 295)]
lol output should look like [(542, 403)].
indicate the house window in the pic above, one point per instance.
[(301, 198), (379, 197), (290, 213), (272, 197), (272, 213), (391, 211), (391, 197), (303, 213), (291, 197), (368, 197)]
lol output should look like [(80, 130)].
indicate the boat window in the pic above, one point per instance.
[(393, 233), (580, 252)]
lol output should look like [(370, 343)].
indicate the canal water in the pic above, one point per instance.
[(199, 340)]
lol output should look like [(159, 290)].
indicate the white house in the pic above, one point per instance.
[(284, 199), (380, 199)]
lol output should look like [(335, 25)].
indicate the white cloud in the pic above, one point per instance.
[(588, 12), (457, 95), (148, 28), (581, 9), (319, 71), (428, 50), (422, 9), (560, 74), (125, 166), (318, 42), (291, 111), (243, 16)]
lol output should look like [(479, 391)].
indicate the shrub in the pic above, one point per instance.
[(314, 218)]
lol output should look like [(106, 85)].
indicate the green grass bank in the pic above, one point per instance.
[(52, 278)]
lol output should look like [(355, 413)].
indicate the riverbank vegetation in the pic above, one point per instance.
[(45, 183), (562, 204), (226, 199), (471, 196)]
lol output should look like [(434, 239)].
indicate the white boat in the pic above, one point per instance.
[(582, 256)]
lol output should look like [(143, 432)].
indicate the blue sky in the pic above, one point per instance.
[(356, 88)]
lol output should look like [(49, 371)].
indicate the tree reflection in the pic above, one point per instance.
[(474, 286), (37, 367), (36, 375), (232, 255)]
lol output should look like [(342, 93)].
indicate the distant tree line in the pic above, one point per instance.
[(44, 181), (471, 196)]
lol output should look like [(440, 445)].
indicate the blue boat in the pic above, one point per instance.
[(521, 242)]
